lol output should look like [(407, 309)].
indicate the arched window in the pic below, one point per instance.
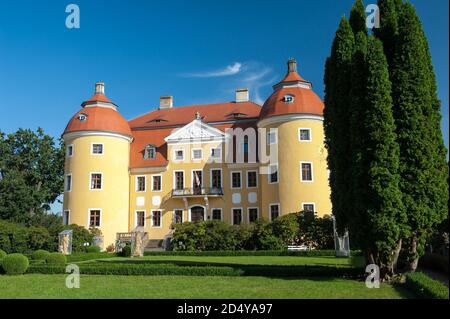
[(150, 152)]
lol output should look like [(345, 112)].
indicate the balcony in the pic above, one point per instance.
[(197, 191)]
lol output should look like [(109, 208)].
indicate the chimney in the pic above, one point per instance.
[(99, 88), (292, 65), (165, 102), (242, 95)]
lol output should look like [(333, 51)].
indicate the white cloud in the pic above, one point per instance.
[(228, 70)]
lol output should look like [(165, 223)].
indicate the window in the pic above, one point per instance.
[(304, 134), (252, 214), (140, 184), (68, 183), (178, 216), (306, 172), (96, 181), (197, 154), (82, 117), (245, 146), (150, 152), (217, 214), (156, 218), (216, 178), (309, 207), (156, 183), (179, 155), (140, 218), (66, 217), (94, 218), (197, 179), (69, 150), (237, 216), (271, 138), (274, 211), (236, 180), (97, 149), (288, 98), (216, 153), (179, 180), (273, 174), (252, 179)]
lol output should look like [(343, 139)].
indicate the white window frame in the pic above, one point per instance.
[(147, 148), (90, 181), (67, 150), (182, 215), (248, 213), (151, 221), (137, 184), (136, 219), (309, 203), (210, 176), (231, 179), (305, 129), (65, 183), (175, 179), (68, 216), (175, 156), (202, 183), (89, 218), (312, 172), (161, 182), (232, 215), (257, 178), (221, 213), (201, 154), (270, 174), (268, 139), (270, 210), (97, 154), (220, 153)]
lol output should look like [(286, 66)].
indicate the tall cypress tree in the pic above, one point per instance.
[(417, 114), (384, 213), (336, 118), (358, 17)]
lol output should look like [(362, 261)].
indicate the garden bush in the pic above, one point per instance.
[(309, 253), (15, 264), (93, 249), (40, 254), (126, 251), (56, 258), (2, 254), (75, 257), (13, 237), (426, 287)]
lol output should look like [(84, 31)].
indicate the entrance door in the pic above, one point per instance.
[(197, 214)]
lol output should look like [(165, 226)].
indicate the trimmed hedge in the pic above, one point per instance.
[(208, 270), (56, 258), (93, 249), (426, 287), (2, 254), (309, 253), (75, 257), (40, 254), (15, 264)]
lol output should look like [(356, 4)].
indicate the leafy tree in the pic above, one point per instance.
[(31, 174), (423, 166), (358, 18), (336, 121)]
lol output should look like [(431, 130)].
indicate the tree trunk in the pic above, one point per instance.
[(412, 266), (396, 255)]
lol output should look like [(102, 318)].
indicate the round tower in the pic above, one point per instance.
[(97, 140), (295, 115)]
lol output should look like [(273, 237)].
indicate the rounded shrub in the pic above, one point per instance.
[(93, 249), (40, 254), (15, 264), (2, 254), (126, 251), (56, 258)]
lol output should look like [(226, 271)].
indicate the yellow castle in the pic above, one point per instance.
[(232, 161)]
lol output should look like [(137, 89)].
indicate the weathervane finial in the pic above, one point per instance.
[(198, 116)]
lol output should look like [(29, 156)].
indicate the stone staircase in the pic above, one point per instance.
[(154, 245)]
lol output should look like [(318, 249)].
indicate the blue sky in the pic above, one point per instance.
[(198, 51)]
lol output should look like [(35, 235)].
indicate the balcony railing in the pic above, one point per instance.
[(197, 191)]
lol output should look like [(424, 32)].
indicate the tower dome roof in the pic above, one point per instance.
[(292, 95), (98, 114)]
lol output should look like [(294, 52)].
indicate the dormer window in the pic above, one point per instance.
[(157, 121), (238, 115), (150, 152), (288, 98), (82, 117)]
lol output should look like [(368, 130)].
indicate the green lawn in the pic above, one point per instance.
[(243, 260), (53, 286)]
